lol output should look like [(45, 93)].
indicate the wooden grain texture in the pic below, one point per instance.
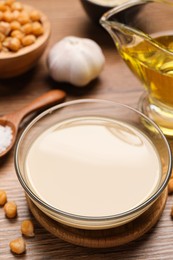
[(106, 238), (116, 83)]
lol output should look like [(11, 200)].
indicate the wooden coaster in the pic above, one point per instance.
[(103, 238)]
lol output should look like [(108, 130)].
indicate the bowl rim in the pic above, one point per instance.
[(102, 5), (39, 41), (114, 217)]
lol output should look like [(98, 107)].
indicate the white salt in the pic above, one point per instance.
[(5, 137)]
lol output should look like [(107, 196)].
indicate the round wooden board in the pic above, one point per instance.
[(103, 238)]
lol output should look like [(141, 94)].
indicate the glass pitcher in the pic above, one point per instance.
[(143, 34)]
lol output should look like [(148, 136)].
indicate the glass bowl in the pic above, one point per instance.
[(93, 164)]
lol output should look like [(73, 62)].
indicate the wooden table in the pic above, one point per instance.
[(115, 83)]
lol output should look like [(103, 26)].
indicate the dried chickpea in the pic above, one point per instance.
[(23, 18), (17, 34), (37, 29), (10, 209), (35, 16), (5, 28), (4, 49), (14, 44), (1, 15), (8, 17), (6, 42), (16, 6), (28, 40), (9, 2), (27, 28), (170, 186), (3, 7), (2, 37), (15, 25), (3, 195), (18, 246), (27, 228), (16, 14)]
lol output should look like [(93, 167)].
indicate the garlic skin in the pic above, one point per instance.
[(75, 60)]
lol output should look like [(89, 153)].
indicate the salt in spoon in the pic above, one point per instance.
[(13, 120)]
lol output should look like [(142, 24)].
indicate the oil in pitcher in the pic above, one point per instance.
[(145, 42)]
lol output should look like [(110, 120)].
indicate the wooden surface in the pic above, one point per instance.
[(105, 238), (115, 83)]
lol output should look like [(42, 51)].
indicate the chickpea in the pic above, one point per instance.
[(27, 28), (15, 25), (37, 29), (1, 15), (15, 14), (3, 195), (170, 186), (23, 18), (17, 34), (28, 40), (10, 209), (1, 47), (4, 28), (27, 228), (35, 16), (2, 37), (3, 8), (14, 44), (8, 16), (6, 42), (4, 49), (9, 2), (18, 246), (16, 6)]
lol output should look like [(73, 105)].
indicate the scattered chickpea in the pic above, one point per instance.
[(15, 25), (37, 29), (28, 40), (3, 195), (35, 16), (170, 186), (10, 209), (18, 246), (27, 228)]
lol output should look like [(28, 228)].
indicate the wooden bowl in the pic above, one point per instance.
[(16, 63)]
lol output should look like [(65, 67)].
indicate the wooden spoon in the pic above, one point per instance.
[(13, 120)]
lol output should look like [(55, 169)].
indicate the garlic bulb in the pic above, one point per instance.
[(75, 60)]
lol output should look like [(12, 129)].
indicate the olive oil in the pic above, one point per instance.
[(153, 66)]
